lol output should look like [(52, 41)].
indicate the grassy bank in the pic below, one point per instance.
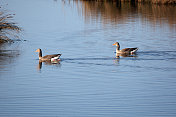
[(8, 29)]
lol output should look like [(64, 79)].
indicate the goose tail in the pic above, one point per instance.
[(134, 50)]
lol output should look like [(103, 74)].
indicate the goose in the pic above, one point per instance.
[(48, 57), (124, 51)]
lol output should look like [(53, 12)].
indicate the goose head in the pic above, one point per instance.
[(38, 50), (116, 44)]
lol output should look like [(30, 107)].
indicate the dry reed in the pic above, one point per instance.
[(8, 29), (143, 1)]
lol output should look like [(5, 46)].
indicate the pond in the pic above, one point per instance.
[(89, 80)]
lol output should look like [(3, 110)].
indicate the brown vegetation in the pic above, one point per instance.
[(159, 1), (142, 1), (8, 29)]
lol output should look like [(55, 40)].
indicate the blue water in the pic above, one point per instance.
[(89, 80)]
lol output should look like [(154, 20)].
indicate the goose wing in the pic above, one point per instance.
[(129, 50), (51, 56)]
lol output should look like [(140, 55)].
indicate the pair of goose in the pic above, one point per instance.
[(56, 57)]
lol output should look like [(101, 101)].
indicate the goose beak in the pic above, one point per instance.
[(114, 44), (36, 51)]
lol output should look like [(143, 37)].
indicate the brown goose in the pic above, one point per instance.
[(48, 57), (126, 50)]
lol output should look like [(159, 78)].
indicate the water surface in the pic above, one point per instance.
[(89, 81)]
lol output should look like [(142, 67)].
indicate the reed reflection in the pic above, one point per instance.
[(7, 56), (121, 12)]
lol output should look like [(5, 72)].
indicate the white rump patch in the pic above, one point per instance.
[(134, 50), (55, 58)]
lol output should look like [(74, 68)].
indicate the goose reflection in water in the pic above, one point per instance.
[(55, 62), (125, 55)]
